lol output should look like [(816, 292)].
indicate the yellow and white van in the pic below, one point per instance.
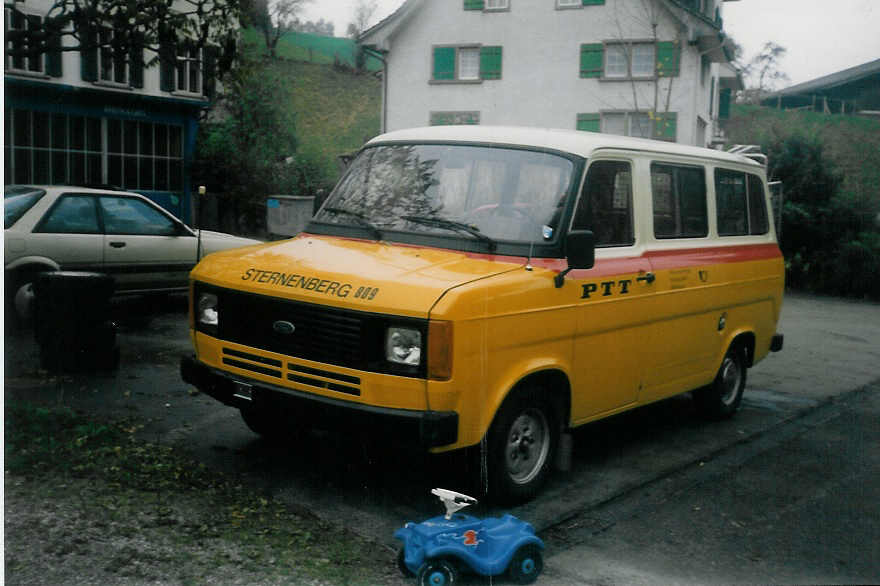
[(500, 285)]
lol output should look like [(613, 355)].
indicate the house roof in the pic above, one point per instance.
[(578, 142), (376, 35), (832, 81)]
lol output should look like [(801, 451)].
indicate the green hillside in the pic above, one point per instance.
[(336, 109), (312, 48)]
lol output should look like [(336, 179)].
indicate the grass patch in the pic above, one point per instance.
[(159, 516)]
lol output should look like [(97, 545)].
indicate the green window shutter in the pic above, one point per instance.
[(136, 61), (211, 54), (444, 63), (592, 59), (490, 62), (666, 126), (473, 4), (88, 62), (724, 103), (668, 59), (53, 54), (593, 2), (167, 57), (588, 122)]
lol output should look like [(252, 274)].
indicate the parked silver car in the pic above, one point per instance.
[(143, 247)]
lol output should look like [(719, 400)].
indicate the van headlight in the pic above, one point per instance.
[(206, 311), (403, 346)]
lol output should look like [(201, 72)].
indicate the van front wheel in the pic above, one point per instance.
[(721, 399), (522, 442)]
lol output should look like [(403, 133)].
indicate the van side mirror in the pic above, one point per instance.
[(580, 250)]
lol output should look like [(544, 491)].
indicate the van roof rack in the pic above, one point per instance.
[(751, 151)]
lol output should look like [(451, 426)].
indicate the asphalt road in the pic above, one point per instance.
[(784, 492)]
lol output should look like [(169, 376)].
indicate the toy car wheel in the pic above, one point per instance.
[(526, 564), (522, 442), (401, 564), (438, 573), (721, 399)]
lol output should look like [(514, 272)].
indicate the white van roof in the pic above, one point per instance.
[(578, 142)]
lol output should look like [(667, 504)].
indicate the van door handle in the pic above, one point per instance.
[(648, 277), (117, 244)]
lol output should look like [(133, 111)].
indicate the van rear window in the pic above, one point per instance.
[(740, 203)]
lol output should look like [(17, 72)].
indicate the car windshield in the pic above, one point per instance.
[(17, 200), (476, 192)]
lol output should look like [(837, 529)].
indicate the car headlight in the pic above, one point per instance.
[(403, 346), (206, 310)]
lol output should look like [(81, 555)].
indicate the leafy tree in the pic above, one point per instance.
[(141, 30), (249, 149)]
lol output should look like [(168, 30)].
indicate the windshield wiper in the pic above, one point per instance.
[(362, 219), (452, 225)]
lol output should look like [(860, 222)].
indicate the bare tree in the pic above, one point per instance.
[(363, 13), (763, 72), (651, 96), (276, 18)]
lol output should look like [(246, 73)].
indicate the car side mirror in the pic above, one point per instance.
[(580, 250)]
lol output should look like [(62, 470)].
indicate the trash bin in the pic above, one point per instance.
[(287, 215), (72, 322)]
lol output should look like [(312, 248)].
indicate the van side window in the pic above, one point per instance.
[(757, 206), (679, 197), (605, 206), (740, 202)]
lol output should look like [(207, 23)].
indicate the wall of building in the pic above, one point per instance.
[(540, 83)]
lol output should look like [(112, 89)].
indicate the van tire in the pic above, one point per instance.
[(721, 399), (522, 445)]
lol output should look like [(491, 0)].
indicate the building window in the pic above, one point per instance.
[(678, 194), (189, 70), (19, 56), (144, 155), (113, 62), (454, 118), (466, 63), (54, 148)]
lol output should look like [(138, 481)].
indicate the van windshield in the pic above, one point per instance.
[(485, 193)]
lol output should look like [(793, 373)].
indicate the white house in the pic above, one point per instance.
[(98, 116), (651, 68)]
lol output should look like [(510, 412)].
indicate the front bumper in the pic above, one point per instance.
[(429, 428)]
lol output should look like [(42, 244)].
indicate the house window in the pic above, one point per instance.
[(454, 118), (678, 195), (639, 124), (630, 60), (189, 70), (626, 60), (467, 63), (19, 56), (497, 4)]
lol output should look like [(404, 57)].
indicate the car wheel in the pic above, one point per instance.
[(522, 442), (721, 399), (438, 573), (526, 564)]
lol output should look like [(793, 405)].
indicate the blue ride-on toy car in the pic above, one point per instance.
[(437, 550)]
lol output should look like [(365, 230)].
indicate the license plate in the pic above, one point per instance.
[(243, 391)]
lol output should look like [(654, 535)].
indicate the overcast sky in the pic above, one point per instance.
[(822, 36)]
